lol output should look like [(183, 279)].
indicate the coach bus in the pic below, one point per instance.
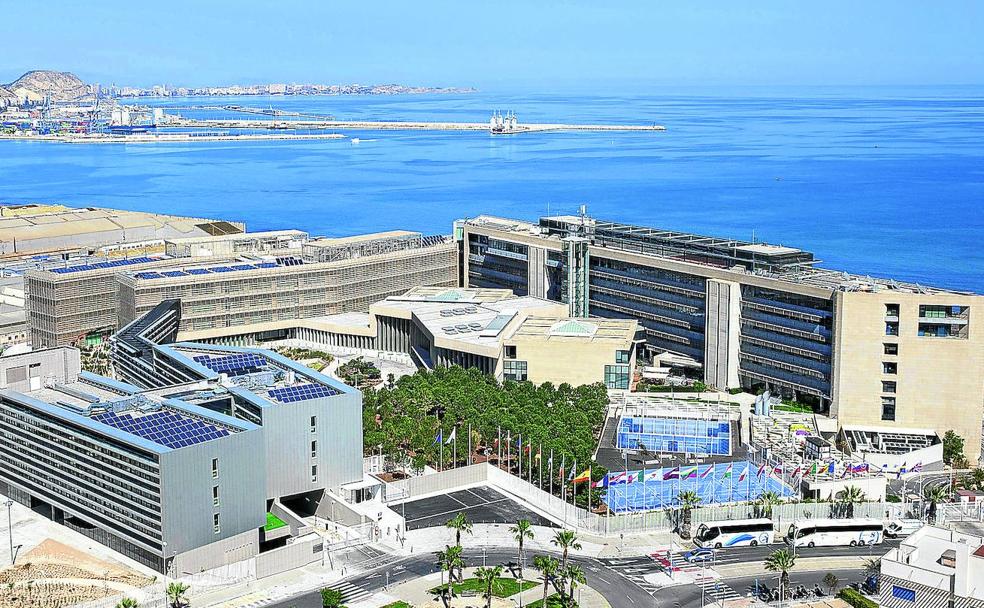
[(734, 533), (835, 532)]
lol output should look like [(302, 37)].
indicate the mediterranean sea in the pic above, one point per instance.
[(881, 181)]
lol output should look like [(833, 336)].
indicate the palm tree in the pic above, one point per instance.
[(688, 499), (766, 501), (575, 575), (459, 523), (127, 602), (521, 531), (976, 478), (566, 540), (781, 561), (489, 577), (850, 496), (176, 594), (548, 567), (872, 567), (935, 495)]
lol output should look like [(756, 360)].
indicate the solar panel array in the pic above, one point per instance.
[(202, 271), (99, 265), (164, 428), (238, 363), (301, 392)]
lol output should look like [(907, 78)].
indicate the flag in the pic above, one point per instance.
[(689, 473), (563, 465), (537, 457), (673, 473), (707, 472), (573, 469), (584, 476), (653, 475), (743, 475), (797, 472), (814, 468), (847, 469), (439, 438), (917, 467), (861, 468), (830, 468), (761, 470), (602, 483), (727, 472), (452, 436), (777, 471)]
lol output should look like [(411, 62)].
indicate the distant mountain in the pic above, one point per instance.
[(7, 97), (62, 86)]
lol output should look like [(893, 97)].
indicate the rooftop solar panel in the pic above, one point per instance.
[(301, 392), (100, 265), (164, 428)]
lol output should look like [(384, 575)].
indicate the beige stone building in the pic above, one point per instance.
[(870, 351)]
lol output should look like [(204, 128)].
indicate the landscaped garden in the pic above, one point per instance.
[(503, 587), (273, 522)]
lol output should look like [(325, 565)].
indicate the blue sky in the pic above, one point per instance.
[(533, 43)]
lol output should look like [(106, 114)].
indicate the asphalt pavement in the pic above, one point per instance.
[(620, 581)]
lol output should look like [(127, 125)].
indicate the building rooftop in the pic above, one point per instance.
[(594, 329), (343, 241), (469, 295), (240, 236)]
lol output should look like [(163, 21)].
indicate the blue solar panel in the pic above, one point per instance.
[(232, 364), (173, 273), (197, 271), (164, 428), (100, 265), (301, 392)]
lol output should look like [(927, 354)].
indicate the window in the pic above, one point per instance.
[(215, 523), (942, 330), (891, 328), (514, 370), (888, 386), (888, 408), (314, 449), (622, 356), (617, 376), (890, 367), (891, 348), (510, 352), (314, 472), (891, 310), (215, 496), (314, 424), (215, 468)]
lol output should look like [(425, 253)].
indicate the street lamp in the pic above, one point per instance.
[(10, 529)]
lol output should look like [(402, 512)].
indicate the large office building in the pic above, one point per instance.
[(328, 276), (179, 468), (251, 279), (871, 351)]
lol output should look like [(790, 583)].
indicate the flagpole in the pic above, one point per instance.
[(442, 451), (520, 450), (468, 460), (499, 446), (539, 465), (550, 472), (508, 453)]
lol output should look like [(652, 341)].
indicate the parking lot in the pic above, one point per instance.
[(482, 505)]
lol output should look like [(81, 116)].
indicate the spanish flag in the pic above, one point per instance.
[(585, 476)]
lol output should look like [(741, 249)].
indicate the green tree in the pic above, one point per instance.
[(566, 540), (548, 568), (935, 495), (177, 594), (766, 501), (574, 575), (872, 567), (975, 479), (850, 496), (521, 531), (688, 500), (953, 448), (331, 598), (489, 578), (459, 523), (781, 561), (127, 602), (830, 581)]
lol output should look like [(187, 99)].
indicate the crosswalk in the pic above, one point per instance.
[(716, 589), (351, 593)]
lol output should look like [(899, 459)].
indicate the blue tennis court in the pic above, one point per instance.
[(674, 435), (717, 486)]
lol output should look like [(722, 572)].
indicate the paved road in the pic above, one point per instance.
[(620, 581)]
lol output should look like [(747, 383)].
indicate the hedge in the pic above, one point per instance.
[(855, 599)]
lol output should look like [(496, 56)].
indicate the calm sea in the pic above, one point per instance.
[(879, 181)]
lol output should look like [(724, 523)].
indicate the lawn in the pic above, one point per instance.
[(553, 601), (398, 604), (504, 587), (273, 522)]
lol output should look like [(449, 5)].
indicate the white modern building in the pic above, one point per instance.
[(934, 567)]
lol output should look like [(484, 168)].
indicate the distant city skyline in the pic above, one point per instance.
[(535, 45)]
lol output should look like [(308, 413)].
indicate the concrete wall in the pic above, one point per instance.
[(722, 331), (301, 552), (29, 371), (187, 491), (940, 381), (226, 551)]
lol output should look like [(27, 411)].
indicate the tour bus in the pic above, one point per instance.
[(734, 533), (833, 532)]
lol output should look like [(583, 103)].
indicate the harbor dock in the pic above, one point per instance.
[(159, 138), (384, 125)]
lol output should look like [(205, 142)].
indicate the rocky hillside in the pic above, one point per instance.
[(7, 98), (62, 86)]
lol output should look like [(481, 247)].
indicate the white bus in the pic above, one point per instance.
[(734, 533), (833, 532)]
